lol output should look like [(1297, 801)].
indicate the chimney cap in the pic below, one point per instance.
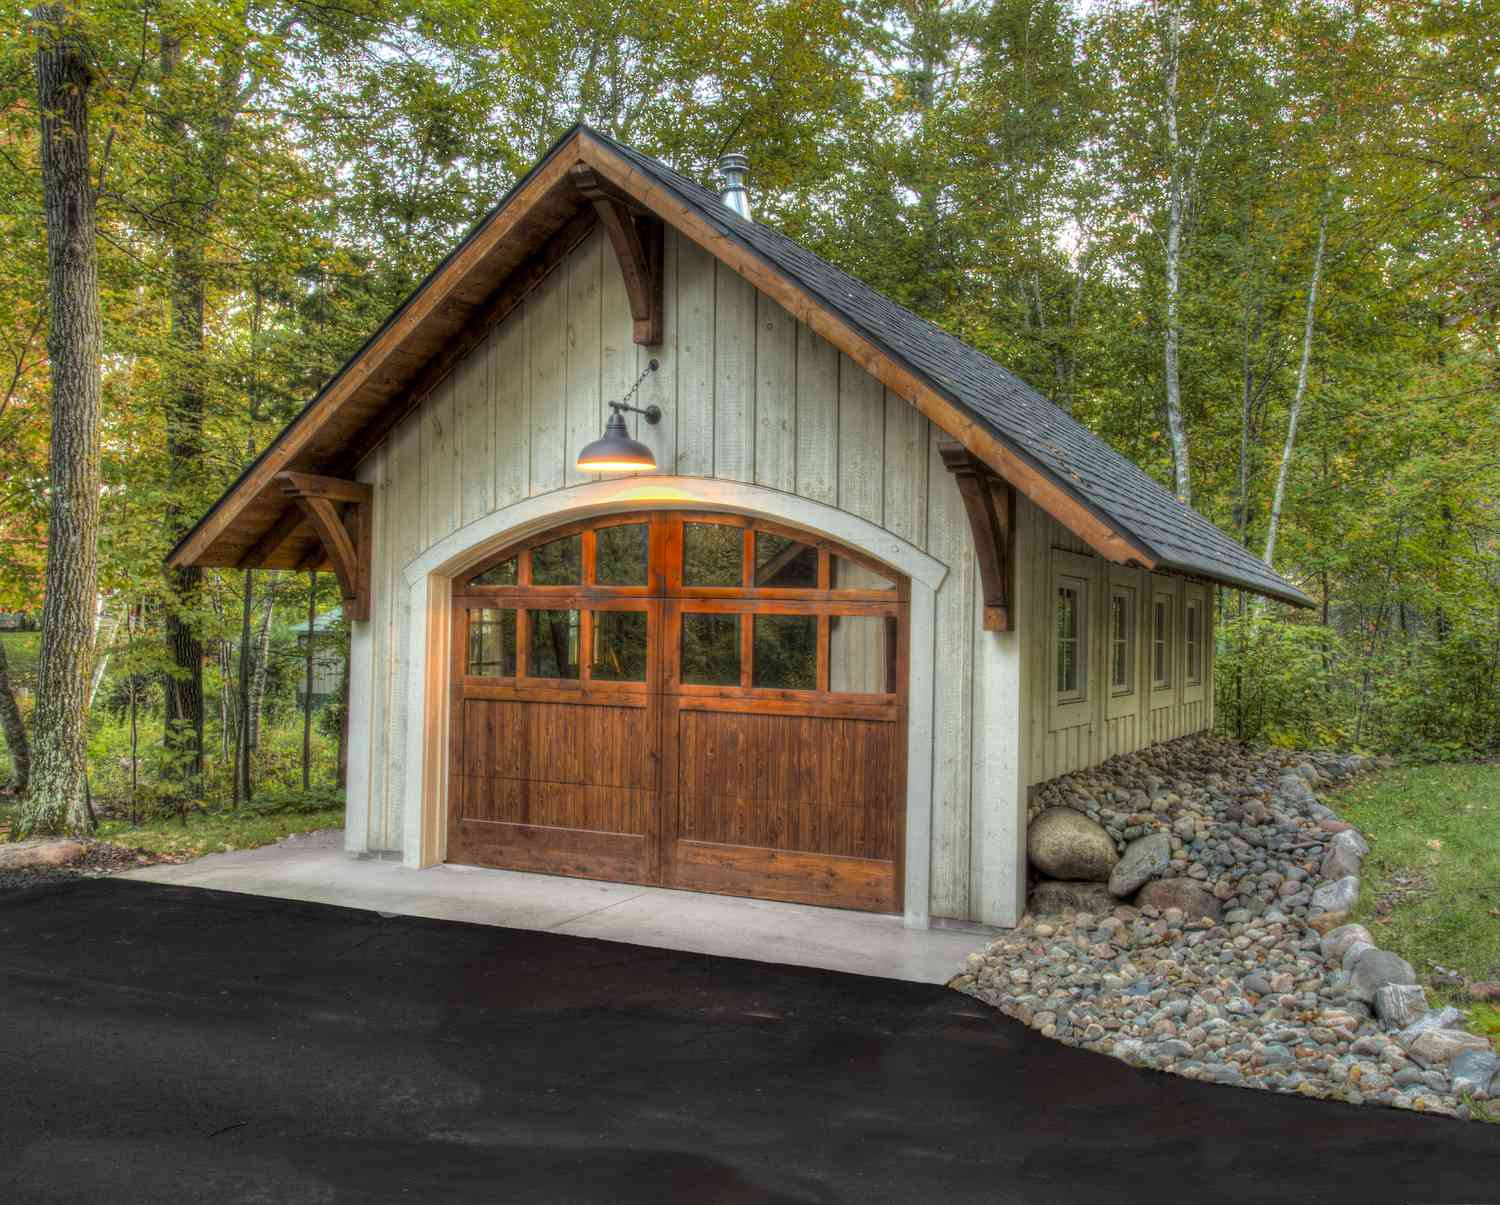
[(733, 168)]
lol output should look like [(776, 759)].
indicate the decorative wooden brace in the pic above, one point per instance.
[(637, 239), (991, 506), (344, 538)]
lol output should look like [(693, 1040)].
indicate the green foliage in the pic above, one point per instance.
[(998, 165), (1279, 680)]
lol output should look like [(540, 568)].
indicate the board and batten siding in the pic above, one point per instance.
[(750, 394)]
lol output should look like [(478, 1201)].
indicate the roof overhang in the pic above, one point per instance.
[(502, 258)]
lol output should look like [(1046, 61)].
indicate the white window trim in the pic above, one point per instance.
[(1165, 591), (1194, 690), (1077, 708), (1118, 701)]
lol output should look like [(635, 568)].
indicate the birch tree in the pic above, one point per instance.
[(57, 799), (1279, 497)]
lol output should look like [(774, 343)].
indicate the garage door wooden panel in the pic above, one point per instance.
[(797, 783), (772, 874), (618, 857), (575, 742), (727, 716)]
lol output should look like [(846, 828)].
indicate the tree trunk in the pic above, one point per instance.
[(1291, 423), (242, 760), (307, 686), (183, 733), (262, 662), (14, 730), (1176, 424), (105, 628), (57, 801)]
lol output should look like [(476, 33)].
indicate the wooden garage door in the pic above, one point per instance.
[(692, 700)]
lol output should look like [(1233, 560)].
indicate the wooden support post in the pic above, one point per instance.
[(345, 538), (991, 506), (638, 243)]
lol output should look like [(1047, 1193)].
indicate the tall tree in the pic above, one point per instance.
[(57, 799)]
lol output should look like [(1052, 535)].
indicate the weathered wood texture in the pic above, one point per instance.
[(749, 393), (737, 785), (1108, 722)]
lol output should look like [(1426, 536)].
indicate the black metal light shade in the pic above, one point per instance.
[(616, 452)]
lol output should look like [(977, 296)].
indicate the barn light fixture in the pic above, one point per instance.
[(615, 451)]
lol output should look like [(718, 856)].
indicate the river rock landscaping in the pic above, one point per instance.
[(1211, 938)]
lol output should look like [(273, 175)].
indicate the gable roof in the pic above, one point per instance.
[(1066, 469)]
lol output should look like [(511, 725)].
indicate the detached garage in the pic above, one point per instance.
[(828, 595)]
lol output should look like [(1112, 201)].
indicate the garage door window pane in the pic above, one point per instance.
[(711, 650), (503, 574), (553, 648), (492, 643), (712, 555), (620, 555), (784, 563), (559, 563), (861, 653), (785, 652), (850, 575), (619, 647)]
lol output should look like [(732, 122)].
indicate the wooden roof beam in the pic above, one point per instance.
[(990, 503), (639, 243), (345, 539)]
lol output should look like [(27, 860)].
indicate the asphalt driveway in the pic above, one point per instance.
[(174, 1044)]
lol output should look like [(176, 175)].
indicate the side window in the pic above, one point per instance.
[(1161, 642), (1070, 639), (1121, 640), (1192, 622)]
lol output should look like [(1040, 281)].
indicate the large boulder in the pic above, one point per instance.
[(1194, 901), (1438, 1046), (1399, 1004), (1474, 1071), (1353, 842), (1144, 857), (1339, 896), (1053, 896), (1337, 941), (1065, 844), (1340, 862), (38, 855), (1375, 969)]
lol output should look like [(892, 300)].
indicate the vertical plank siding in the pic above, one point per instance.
[(748, 393)]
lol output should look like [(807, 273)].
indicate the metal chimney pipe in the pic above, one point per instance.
[(733, 168)]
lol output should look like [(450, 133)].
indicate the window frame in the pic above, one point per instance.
[(1165, 601), (1197, 597), (1074, 708), (666, 598)]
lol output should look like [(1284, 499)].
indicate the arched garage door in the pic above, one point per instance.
[(698, 701)]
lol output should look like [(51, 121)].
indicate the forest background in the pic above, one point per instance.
[(1255, 246)]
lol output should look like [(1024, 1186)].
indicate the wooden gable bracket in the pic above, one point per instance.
[(638, 241), (990, 503), (345, 538)]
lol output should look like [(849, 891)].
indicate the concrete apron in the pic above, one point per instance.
[(315, 868)]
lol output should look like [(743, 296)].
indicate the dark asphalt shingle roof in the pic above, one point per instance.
[(1179, 537)]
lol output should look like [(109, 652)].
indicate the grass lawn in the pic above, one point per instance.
[(1432, 880), (21, 649), (1431, 885), (217, 832)]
